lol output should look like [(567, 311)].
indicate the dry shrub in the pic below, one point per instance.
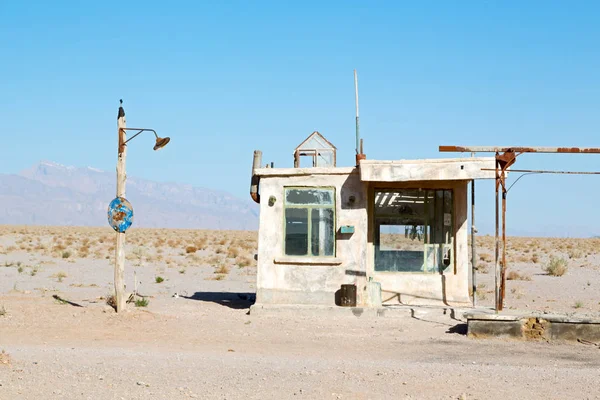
[(576, 253), (5, 358), (485, 257), (201, 243), (523, 259), (483, 268), (556, 266), (222, 269), (244, 262), (191, 249), (515, 276), (233, 252), (535, 258)]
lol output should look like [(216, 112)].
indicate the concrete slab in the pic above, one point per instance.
[(393, 311), (533, 326)]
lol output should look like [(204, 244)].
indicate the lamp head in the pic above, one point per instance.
[(161, 142)]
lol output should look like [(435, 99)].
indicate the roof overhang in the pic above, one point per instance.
[(309, 171), (446, 169)]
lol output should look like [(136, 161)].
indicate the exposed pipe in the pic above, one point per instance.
[(254, 181), (356, 99)]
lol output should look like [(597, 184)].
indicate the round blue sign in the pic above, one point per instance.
[(120, 214)]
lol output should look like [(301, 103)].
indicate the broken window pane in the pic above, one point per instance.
[(309, 196), (413, 230), (322, 232), (309, 222)]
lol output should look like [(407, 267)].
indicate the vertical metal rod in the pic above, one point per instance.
[(473, 248), (356, 98), (361, 146), (503, 280), (497, 241), (120, 300)]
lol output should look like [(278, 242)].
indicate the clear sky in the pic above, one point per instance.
[(223, 78)]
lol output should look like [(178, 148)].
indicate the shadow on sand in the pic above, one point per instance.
[(236, 301)]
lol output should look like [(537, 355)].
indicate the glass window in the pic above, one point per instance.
[(413, 230), (319, 228)]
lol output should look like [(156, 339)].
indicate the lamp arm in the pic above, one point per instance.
[(140, 131)]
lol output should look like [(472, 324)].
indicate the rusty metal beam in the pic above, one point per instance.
[(518, 149)]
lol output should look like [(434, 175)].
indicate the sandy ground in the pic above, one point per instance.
[(203, 344)]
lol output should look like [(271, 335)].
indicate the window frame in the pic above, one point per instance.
[(309, 208), (377, 235)]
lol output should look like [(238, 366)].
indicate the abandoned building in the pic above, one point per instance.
[(395, 231)]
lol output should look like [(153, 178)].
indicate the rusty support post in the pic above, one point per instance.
[(497, 241), (503, 273), (473, 250)]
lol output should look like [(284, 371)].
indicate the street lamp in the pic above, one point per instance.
[(120, 211), (160, 142)]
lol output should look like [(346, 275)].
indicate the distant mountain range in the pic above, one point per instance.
[(52, 194)]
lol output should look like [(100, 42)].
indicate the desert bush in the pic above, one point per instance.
[(233, 252), (66, 254), (535, 258), (191, 249), (142, 302), (244, 262), (60, 276), (578, 304), (556, 266), (575, 254), (4, 358), (485, 257), (483, 268), (515, 276), (159, 279), (222, 269)]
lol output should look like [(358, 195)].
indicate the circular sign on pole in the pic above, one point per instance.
[(120, 214)]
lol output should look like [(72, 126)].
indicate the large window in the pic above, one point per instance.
[(413, 230), (309, 222)]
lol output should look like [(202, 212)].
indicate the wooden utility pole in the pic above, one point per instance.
[(120, 240)]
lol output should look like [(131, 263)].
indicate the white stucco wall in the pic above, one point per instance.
[(284, 280), (302, 280)]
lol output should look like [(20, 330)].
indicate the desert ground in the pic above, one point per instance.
[(189, 334)]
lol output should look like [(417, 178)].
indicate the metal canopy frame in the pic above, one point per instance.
[(505, 158)]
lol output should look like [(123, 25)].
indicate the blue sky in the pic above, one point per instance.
[(223, 78)]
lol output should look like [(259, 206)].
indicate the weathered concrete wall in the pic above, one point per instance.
[(443, 169), (314, 280), (311, 280), (534, 326)]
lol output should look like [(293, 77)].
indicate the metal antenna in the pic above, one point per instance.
[(356, 97)]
